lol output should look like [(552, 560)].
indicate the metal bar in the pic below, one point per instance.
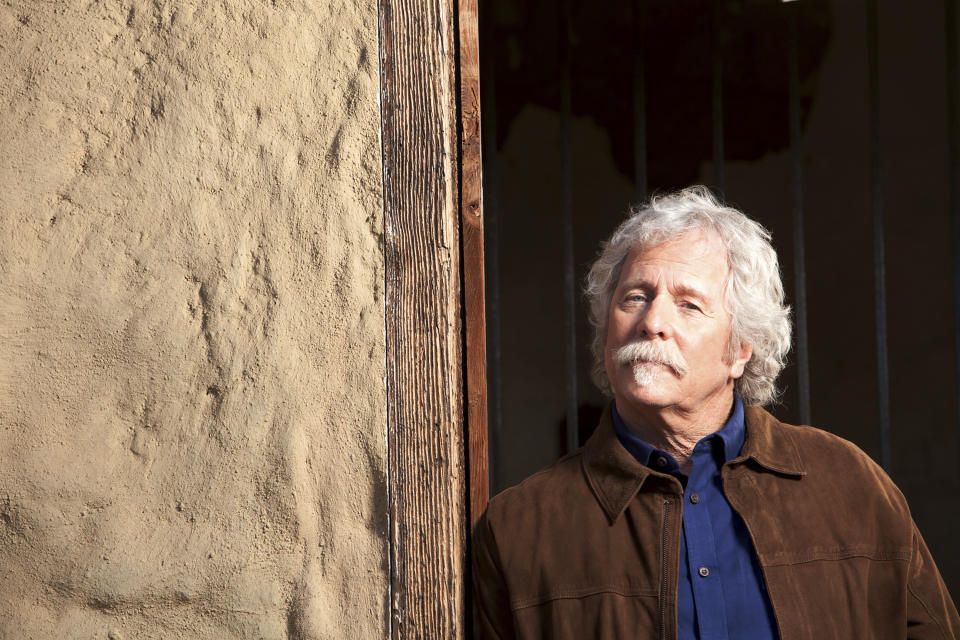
[(639, 105), (799, 244), (953, 136), (876, 205), (492, 244), (569, 283), (718, 173)]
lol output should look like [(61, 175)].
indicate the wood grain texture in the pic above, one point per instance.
[(427, 475), (471, 220)]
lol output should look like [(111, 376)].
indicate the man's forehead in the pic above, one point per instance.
[(698, 253)]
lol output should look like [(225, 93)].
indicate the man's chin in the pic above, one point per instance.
[(651, 396), (646, 374)]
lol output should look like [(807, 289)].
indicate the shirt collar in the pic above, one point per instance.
[(732, 435), (615, 476)]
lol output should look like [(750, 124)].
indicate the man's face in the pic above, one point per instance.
[(670, 299)]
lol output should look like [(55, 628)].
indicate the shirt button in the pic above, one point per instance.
[(704, 572), (661, 461), (694, 498)]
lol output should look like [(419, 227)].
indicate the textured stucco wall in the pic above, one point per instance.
[(192, 422)]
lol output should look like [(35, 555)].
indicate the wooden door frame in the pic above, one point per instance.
[(435, 342)]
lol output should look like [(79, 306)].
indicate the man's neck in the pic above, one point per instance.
[(675, 431)]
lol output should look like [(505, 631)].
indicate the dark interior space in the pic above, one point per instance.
[(681, 45)]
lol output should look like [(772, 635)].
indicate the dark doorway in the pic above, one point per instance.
[(587, 111)]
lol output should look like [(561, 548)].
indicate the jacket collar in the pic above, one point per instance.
[(615, 476), (770, 444), (612, 472)]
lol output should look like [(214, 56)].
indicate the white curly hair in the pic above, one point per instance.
[(753, 295)]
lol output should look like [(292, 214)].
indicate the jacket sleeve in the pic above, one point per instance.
[(492, 602), (931, 612)]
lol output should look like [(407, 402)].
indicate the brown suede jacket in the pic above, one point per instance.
[(587, 548)]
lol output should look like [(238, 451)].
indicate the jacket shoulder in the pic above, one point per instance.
[(821, 449), (838, 471), (802, 448), (552, 491)]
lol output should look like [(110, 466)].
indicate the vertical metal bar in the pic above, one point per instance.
[(639, 105), (953, 136), (718, 177), (492, 243), (876, 205), (569, 283), (799, 244)]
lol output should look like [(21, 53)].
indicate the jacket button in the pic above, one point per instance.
[(704, 572), (694, 498), (661, 461)]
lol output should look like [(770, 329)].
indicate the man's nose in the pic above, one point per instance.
[(657, 319)]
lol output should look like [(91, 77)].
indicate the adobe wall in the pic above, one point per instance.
[(192, 404)]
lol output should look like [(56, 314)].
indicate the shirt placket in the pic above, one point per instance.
[(701, 548)]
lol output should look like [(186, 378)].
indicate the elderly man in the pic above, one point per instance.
[(691, 512)]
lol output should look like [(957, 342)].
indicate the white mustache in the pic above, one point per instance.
[(665, 353)]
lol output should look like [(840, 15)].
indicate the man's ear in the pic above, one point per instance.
[(740, 359)]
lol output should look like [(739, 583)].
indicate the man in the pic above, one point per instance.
[(691, 512)]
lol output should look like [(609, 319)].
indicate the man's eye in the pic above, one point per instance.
[(691, 306), (636, 297)]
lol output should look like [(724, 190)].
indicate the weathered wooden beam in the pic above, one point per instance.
[(427, 474), (491, 247), (471, 217)]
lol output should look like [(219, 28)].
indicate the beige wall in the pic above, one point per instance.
[(192, 406)]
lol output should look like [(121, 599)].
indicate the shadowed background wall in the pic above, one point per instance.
[(525, 180), (192, 405)]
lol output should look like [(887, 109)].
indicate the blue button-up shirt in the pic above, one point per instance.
[(721, 592)]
